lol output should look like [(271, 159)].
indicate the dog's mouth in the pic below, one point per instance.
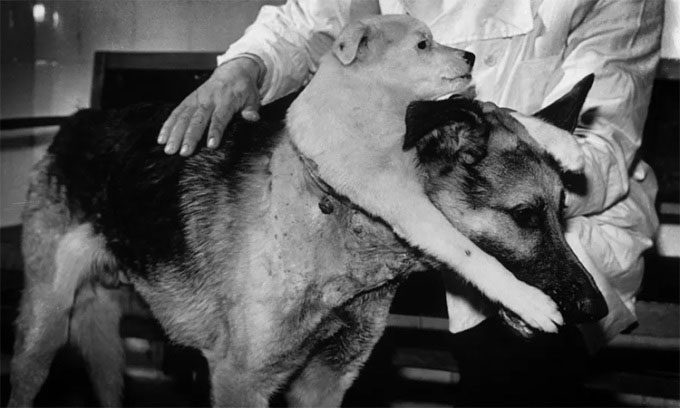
[(516, 323), (461, 85), (464, 77)]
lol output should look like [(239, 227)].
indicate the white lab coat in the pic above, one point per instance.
[(529, 53)]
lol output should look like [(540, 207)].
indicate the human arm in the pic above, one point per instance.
[(290, 39), (283, 45), (619, 42)]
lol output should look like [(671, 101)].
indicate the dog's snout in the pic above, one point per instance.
[(469, 58), (586, 306), (590, 307), (594, 307)]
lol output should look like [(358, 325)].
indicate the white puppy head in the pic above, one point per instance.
[(398, 53)]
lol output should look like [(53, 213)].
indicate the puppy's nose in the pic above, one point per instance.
[(469, 58)]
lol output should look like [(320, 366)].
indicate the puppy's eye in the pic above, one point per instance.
[(526, 217), (424, 44)]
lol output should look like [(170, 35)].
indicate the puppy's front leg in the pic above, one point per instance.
[(402, 203)]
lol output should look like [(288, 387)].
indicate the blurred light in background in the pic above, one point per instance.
[(39, 12), (55, 19)]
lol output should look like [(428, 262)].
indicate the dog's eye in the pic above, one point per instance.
[(526, 217), (424, 44)]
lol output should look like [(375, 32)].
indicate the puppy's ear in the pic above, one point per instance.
[(564, 112), (350, 42), (443, 130)]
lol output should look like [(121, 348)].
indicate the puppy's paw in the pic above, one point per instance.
[(534, 307), (569, 154)]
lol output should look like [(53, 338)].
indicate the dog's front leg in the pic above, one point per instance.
[(233, 386), (238, 380), (334, 366), (319, 385)]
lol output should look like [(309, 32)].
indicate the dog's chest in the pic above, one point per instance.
[(319, 245)]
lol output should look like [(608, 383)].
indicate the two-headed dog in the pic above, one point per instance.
[(246, 255), (249, 254), (349, 122)]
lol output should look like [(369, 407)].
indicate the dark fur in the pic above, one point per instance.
[(183, 231)]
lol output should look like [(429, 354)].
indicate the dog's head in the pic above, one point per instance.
[(398, 52), (506, 193)]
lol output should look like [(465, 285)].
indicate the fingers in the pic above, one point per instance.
[(169, 123), (252, 106), (218, 123), (184, 128), (232, 87), (223, 114), (179, 129), (194, 132)]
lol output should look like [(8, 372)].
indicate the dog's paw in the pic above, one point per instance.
[(534, 307)]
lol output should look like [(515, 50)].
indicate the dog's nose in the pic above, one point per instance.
[(469, 58), (592, 309)]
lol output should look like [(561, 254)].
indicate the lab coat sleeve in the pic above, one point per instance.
[(289, 40), (619, 41)]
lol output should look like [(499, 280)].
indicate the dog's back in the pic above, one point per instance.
[(95, 156), (105, 202)]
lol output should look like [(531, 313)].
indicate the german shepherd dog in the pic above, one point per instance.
[(244, 253)]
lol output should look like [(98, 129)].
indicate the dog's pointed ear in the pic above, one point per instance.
[(445, 129), (421, 119), (564, 112), (350, 42)]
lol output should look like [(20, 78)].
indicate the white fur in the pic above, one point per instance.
[(350, 121), (559, 143), (77, 251)]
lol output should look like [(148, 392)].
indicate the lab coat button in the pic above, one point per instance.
[(490, 60), (640, 173)]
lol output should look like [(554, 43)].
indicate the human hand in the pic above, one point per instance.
[(231, 88)]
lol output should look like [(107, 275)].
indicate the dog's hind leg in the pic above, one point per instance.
[(41, 330), (56, 263), (95, 331)]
